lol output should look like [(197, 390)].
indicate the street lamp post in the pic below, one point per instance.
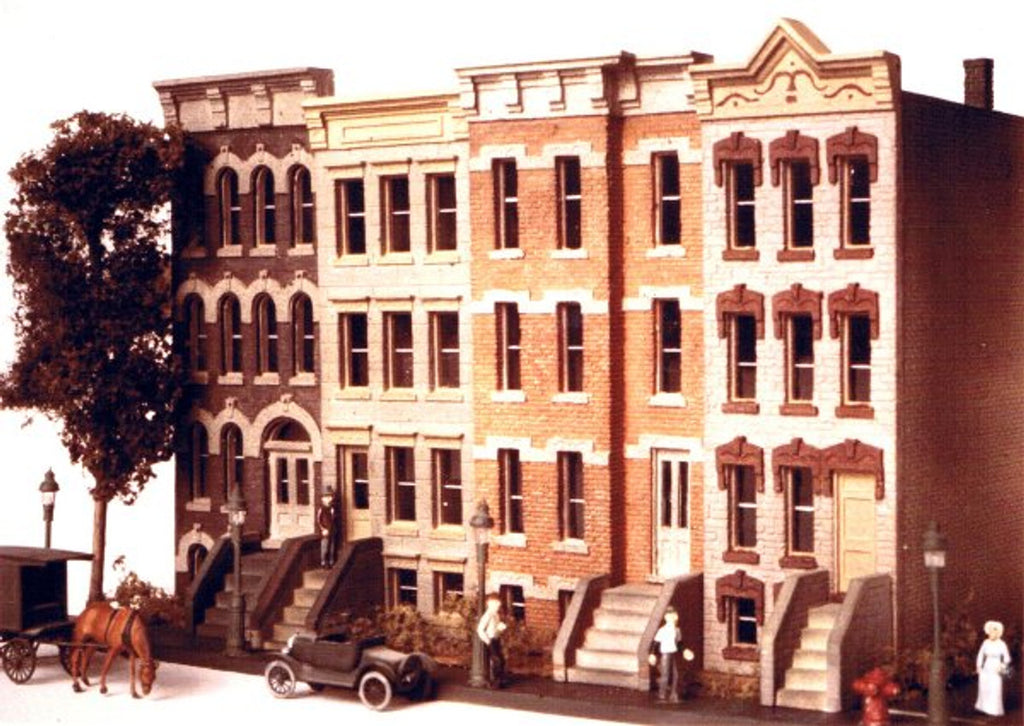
[(235, 641), (48, 491), (481, 523), (935, 561)]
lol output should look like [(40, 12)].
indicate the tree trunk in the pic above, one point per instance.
[(99, 548)]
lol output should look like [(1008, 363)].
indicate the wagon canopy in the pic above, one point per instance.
[(38, 556)]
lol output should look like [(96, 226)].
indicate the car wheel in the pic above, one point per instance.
[(280, 678), (375, 690)]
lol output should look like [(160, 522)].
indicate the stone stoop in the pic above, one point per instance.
[(293, 617), (255, 567), (608, 656), (805, 681)]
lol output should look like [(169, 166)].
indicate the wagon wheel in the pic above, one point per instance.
[(19, 660), (280, 678), (64, 652), (375, 690)]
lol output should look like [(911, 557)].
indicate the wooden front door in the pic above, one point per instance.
[(671, 514), (292, 508), (355, 493), (855, 527)]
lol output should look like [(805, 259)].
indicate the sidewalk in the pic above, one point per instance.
[(531, 693)]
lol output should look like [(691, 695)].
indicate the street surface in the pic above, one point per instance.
[(186, 695)]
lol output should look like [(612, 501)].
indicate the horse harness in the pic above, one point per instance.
[(126, 634)]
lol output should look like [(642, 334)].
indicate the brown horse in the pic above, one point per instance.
[(120, 631)]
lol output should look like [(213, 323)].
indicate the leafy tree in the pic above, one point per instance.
[(91, 275)]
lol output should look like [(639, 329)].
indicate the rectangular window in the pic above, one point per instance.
[(350, 217), (398, 350), (513, 601), (856, 201), (669, 338), (302, 487), (507, 318), (401, 479), (570, 198), (396, 214), (354, 474), (675, 493), (800, 498), (441, 202), (668, 209), (857, 354), (740, 201), (450, 587), (742, 507), (447, 480), (800, 358), (742, 621), (510, 479), (570, 488), (444, 350), (799, 204), (506, 204), (402, 586), (354, 357), (743, 358), (570, 347)]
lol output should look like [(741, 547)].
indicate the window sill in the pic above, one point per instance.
[(511, 539), (798, 409), (194, 252), (199, 505), (508, 396), (263, 251), (199, 377), (849, 411), (399, 394), (231, 251), (302, 379), (355, 393), (741, 557), (395, 258), (512, 253), (446, 395), (449, 532), (741, 652), (352, 260), (795, 255), (667, 400), (443, 257), (666, 251), (402, 529), (571, 546), (798, 562), (231, 379), (302, 250), (741, 255), (570, 254), (267, 379), (574, 397), (741, 407), (854, 253)]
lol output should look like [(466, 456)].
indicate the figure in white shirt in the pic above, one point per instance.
[(489, 630), (667, 641), (993, 660)]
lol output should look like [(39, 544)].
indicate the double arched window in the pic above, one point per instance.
[(229, 208), (266, 334), (195, 334), (265, 211), (303, 335), (230, 335), (233, 458), (303, 209)]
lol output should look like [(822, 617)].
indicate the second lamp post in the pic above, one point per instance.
[(481, 523), (235, 640)]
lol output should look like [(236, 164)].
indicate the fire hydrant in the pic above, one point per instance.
[(877, 688)]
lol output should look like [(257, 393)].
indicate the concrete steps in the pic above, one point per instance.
[(293, 617), (255, 566), (805, 681)]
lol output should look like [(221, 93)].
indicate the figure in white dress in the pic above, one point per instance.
[(993, 660)]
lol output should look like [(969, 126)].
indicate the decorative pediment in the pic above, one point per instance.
[(793, 72), (740, 452), (737, 585), (794, 146), (794, 455), (797, 300), (739, 301), (852, 300), (856, 457)]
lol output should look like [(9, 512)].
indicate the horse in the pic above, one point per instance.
[(121, 631)]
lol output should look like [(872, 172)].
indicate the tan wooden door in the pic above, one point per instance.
[(291, 495), (671, 514), (855, 527), (355, 492)]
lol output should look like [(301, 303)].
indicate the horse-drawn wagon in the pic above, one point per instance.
[(33, 607)]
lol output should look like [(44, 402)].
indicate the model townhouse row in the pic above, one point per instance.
[(742, 327)]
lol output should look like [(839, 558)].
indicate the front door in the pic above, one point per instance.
[(855, 526), (355, 492), (672, 514), (291, 495)]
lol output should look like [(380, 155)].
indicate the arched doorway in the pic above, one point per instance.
[(288, 453)]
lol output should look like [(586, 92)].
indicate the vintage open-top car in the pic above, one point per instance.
[(368, 665)]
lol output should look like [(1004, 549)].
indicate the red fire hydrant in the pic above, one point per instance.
[(877, 688)]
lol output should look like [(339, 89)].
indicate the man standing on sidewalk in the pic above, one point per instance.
[(667, 641), (489, 629)]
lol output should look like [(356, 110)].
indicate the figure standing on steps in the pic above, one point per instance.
[(667, 641), (489, 629), (327, 522), (993, 661)]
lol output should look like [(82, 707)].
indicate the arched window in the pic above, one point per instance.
[(195, 334), (229, 208), (230, 335), (199, 453), (232, 458), (266, 334), (196, 556), (264, 209), (303, 335), (303, 209)]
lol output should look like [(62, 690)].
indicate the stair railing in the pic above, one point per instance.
[(863, 634), (294, 558), (686, 594), (578, 617), (355, 585), (202, 591)]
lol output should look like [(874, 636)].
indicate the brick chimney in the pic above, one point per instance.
[(978, 83)]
